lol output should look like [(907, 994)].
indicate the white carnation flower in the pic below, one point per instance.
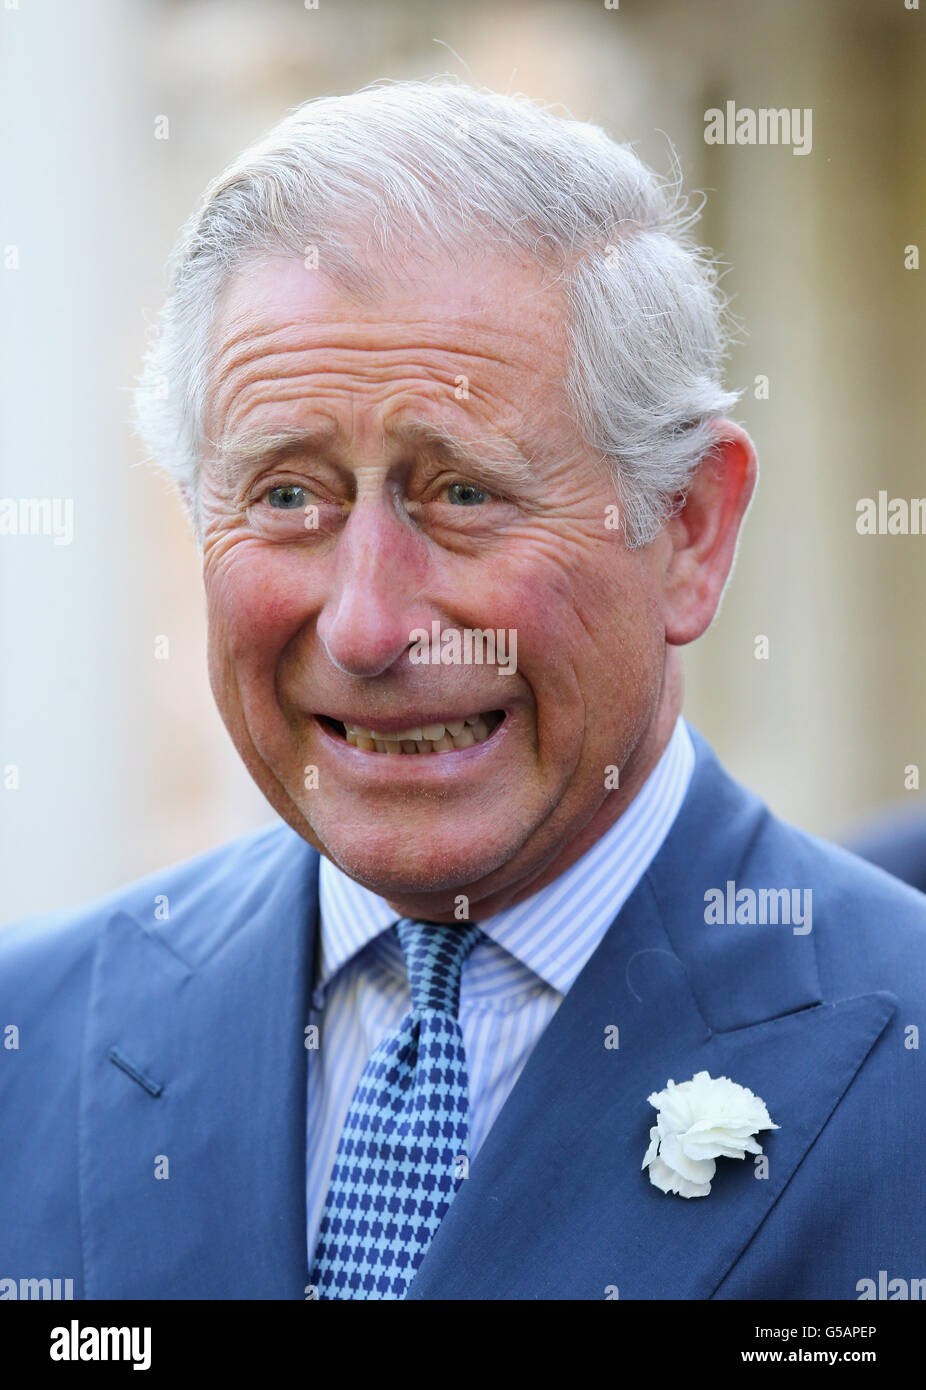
[(697, 1122)]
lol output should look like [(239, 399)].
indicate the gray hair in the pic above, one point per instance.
[(448, 167)]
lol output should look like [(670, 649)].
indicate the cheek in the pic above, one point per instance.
[(256, 601), (586, 614), (592, 634)]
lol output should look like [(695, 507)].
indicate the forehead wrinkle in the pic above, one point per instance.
[(347, 356), (266, 371), (247, 353), (246, 325), (233, 379), (250, 335)]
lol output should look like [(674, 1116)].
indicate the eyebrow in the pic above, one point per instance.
[(245, 450), (493, 458)]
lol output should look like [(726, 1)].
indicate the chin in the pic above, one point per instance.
[(396, 861)]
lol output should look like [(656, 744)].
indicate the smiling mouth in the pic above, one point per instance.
[(445, 737)]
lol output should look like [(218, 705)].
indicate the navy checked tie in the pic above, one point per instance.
[(397, 1167)]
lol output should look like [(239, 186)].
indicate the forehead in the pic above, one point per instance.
[(280, 328)]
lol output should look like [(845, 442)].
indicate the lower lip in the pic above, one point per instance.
[(414, 767)]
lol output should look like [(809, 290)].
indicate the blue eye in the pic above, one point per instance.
[(288, 497), (466, 494)]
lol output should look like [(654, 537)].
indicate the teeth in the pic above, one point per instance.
[(430, 738)]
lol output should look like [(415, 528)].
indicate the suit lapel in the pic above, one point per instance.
[(194, 1067), (556, 1205)]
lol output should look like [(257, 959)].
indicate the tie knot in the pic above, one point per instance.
[(434, 956)]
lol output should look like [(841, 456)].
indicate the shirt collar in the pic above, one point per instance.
[(554, 931)]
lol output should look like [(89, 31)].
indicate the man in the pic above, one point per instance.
[(444, 403)]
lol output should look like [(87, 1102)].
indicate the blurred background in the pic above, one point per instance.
[(113, 759)]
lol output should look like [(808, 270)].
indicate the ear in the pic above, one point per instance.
[(703, 534)]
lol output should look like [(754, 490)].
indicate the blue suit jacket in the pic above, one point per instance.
[(895, 840), (184, 1037)]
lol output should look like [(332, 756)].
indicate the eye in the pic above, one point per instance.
[(288, 497), (466, 494)]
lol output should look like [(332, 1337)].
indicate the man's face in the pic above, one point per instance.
[(312, 612)]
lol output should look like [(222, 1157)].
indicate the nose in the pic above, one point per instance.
[(373, 603)]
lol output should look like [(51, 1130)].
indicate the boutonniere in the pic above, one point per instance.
[(697, 1122)]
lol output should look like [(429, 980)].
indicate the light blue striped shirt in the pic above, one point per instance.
[(512, 984)]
